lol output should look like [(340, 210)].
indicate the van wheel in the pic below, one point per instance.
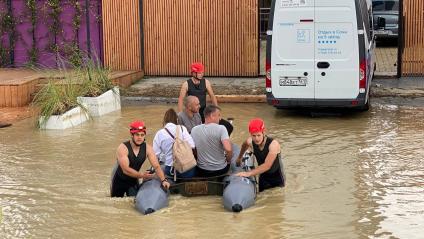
[(366, 107)]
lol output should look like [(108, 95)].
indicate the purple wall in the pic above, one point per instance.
[(44, 38)]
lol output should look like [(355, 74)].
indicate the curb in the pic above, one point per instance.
[(375, 93), (220, 98)]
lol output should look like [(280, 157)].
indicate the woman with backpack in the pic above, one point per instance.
[(164, 139)]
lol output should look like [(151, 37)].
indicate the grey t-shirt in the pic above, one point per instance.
[(188, 122), (210, 151)]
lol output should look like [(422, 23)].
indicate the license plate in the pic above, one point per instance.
[(293, 82)]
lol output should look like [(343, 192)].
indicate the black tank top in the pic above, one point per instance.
[(261, 155), (198, 90), (135, 161)]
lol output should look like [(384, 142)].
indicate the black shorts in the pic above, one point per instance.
[(267, 181), (120, 188)]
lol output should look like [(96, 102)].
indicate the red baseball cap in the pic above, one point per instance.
[(137, 126), (256, 125), (197, 67)]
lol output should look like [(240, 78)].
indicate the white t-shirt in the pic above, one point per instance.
[(162, 143)]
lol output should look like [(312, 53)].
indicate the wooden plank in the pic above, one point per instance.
[(240, 98), (7, 96), (14, 95), (2, 96), (25, 94), (19, 95)]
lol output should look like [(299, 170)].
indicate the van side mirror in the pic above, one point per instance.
[(381, 22)]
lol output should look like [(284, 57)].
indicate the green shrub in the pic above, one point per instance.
[(60, 95), (56, 97), (95, 78)]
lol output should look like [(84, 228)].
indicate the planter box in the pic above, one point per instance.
[(69, 119), (107, 102)]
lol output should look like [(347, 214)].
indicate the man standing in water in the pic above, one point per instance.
[(268, 156), (197, 86), (131, 156)]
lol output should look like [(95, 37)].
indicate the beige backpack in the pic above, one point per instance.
[(183, 154)]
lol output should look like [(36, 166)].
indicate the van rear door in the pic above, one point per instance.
[(337, 51), (293, 42)]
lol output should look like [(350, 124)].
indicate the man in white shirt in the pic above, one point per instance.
[(164, 140)]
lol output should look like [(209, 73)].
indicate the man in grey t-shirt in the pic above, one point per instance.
[(190, 117), (213, 145)]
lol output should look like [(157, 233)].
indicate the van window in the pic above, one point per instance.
[(367, 19), (371, 23), (385, 5)]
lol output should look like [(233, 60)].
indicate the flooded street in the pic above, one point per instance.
[(349, 176)]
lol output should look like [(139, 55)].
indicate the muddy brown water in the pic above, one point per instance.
[(349, 176)]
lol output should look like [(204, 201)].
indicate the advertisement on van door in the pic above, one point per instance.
[(334, 42), (292, 3)]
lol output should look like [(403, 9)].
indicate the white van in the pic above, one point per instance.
[(320, 53)]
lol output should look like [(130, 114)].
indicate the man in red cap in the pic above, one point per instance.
[(197, 86), (131, 156), (268, 156)]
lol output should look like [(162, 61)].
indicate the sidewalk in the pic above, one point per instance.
[(233, 90), (409, 87), (166, 89)]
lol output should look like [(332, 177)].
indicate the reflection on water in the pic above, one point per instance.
[(348, 176)]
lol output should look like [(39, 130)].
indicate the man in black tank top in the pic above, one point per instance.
[(197, 86), (130, 157), (267, 154)]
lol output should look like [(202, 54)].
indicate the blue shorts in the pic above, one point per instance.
[(169, 171)]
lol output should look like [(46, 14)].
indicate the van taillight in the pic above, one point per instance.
[(363, 76), (268, 77)]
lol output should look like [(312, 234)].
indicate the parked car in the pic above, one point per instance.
[(386, 18)]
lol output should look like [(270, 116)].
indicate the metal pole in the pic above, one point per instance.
[(11, 35), (401, 40), (87, 20), (100, 13)]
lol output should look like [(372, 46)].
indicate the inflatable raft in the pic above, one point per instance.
[(151, 197), (238, 193)]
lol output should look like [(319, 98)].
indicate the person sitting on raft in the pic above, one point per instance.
[(190, 116), (267, 154), (213, 145), (131, 156), (164, 140)]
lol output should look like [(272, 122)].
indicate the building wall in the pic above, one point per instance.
[(413, 51), (121, 34), (222, 34), (43, 35)]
